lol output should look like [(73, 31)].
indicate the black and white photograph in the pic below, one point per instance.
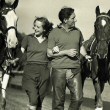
[(54, 54)]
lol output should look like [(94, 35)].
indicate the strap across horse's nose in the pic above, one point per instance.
[(11, 27)]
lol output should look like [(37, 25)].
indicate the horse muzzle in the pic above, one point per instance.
[(102, 56), (11, 44)]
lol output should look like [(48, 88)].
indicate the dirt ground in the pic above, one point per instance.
[(17, 99)]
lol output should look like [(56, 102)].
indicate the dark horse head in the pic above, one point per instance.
[(102, 32), (8, 22)]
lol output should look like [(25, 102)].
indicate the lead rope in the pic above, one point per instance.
[(8, 57)]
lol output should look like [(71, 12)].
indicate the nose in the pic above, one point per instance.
[(34, 28), (75, 20)]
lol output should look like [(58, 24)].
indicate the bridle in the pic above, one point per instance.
[(102, 16), (3, 12), (11, 27), (104, 40)]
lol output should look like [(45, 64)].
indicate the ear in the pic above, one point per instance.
[(2, 3), (108, 13), (65, 20), (15, 4), (97, 11)]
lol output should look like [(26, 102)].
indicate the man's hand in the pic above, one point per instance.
[(71, 52), (55, 50), (87, 57)]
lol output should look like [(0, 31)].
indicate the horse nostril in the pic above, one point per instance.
[(16, 43), (9, 45)]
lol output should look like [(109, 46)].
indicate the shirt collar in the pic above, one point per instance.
[(60, 26)]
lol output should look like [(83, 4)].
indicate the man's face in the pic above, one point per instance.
[(71, 21)]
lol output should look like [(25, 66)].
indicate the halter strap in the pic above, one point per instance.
[(11, 27), (103, 16)]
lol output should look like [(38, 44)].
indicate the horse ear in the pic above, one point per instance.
[(2, 3), (108, 13), (15, 4), (97, 11)]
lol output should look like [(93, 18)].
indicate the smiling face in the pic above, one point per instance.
[(71, 20), (38, 28)]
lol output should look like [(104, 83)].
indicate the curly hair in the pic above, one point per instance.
[(47, 26)]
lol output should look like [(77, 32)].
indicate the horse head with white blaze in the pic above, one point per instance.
[(8, 22), (102, 32)]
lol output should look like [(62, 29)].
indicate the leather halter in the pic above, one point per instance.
[(107, 16), (103, 16), (3, 12), (11, 27)]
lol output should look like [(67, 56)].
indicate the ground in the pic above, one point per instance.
[(17, 99)]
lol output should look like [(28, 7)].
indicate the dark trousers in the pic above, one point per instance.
[(35, 82), (37, 95), (61, 79)]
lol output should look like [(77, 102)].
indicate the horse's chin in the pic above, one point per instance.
[(102, 56)]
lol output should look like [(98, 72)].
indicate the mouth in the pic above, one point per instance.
[(36, 31)]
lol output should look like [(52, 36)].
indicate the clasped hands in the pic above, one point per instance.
[(70, 53)]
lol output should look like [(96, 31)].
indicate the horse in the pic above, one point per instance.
[(98, 47), (8, 42)]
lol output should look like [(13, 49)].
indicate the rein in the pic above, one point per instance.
[(93, 46)]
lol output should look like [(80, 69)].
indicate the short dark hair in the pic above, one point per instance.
[(47, 26), (65, 13)]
